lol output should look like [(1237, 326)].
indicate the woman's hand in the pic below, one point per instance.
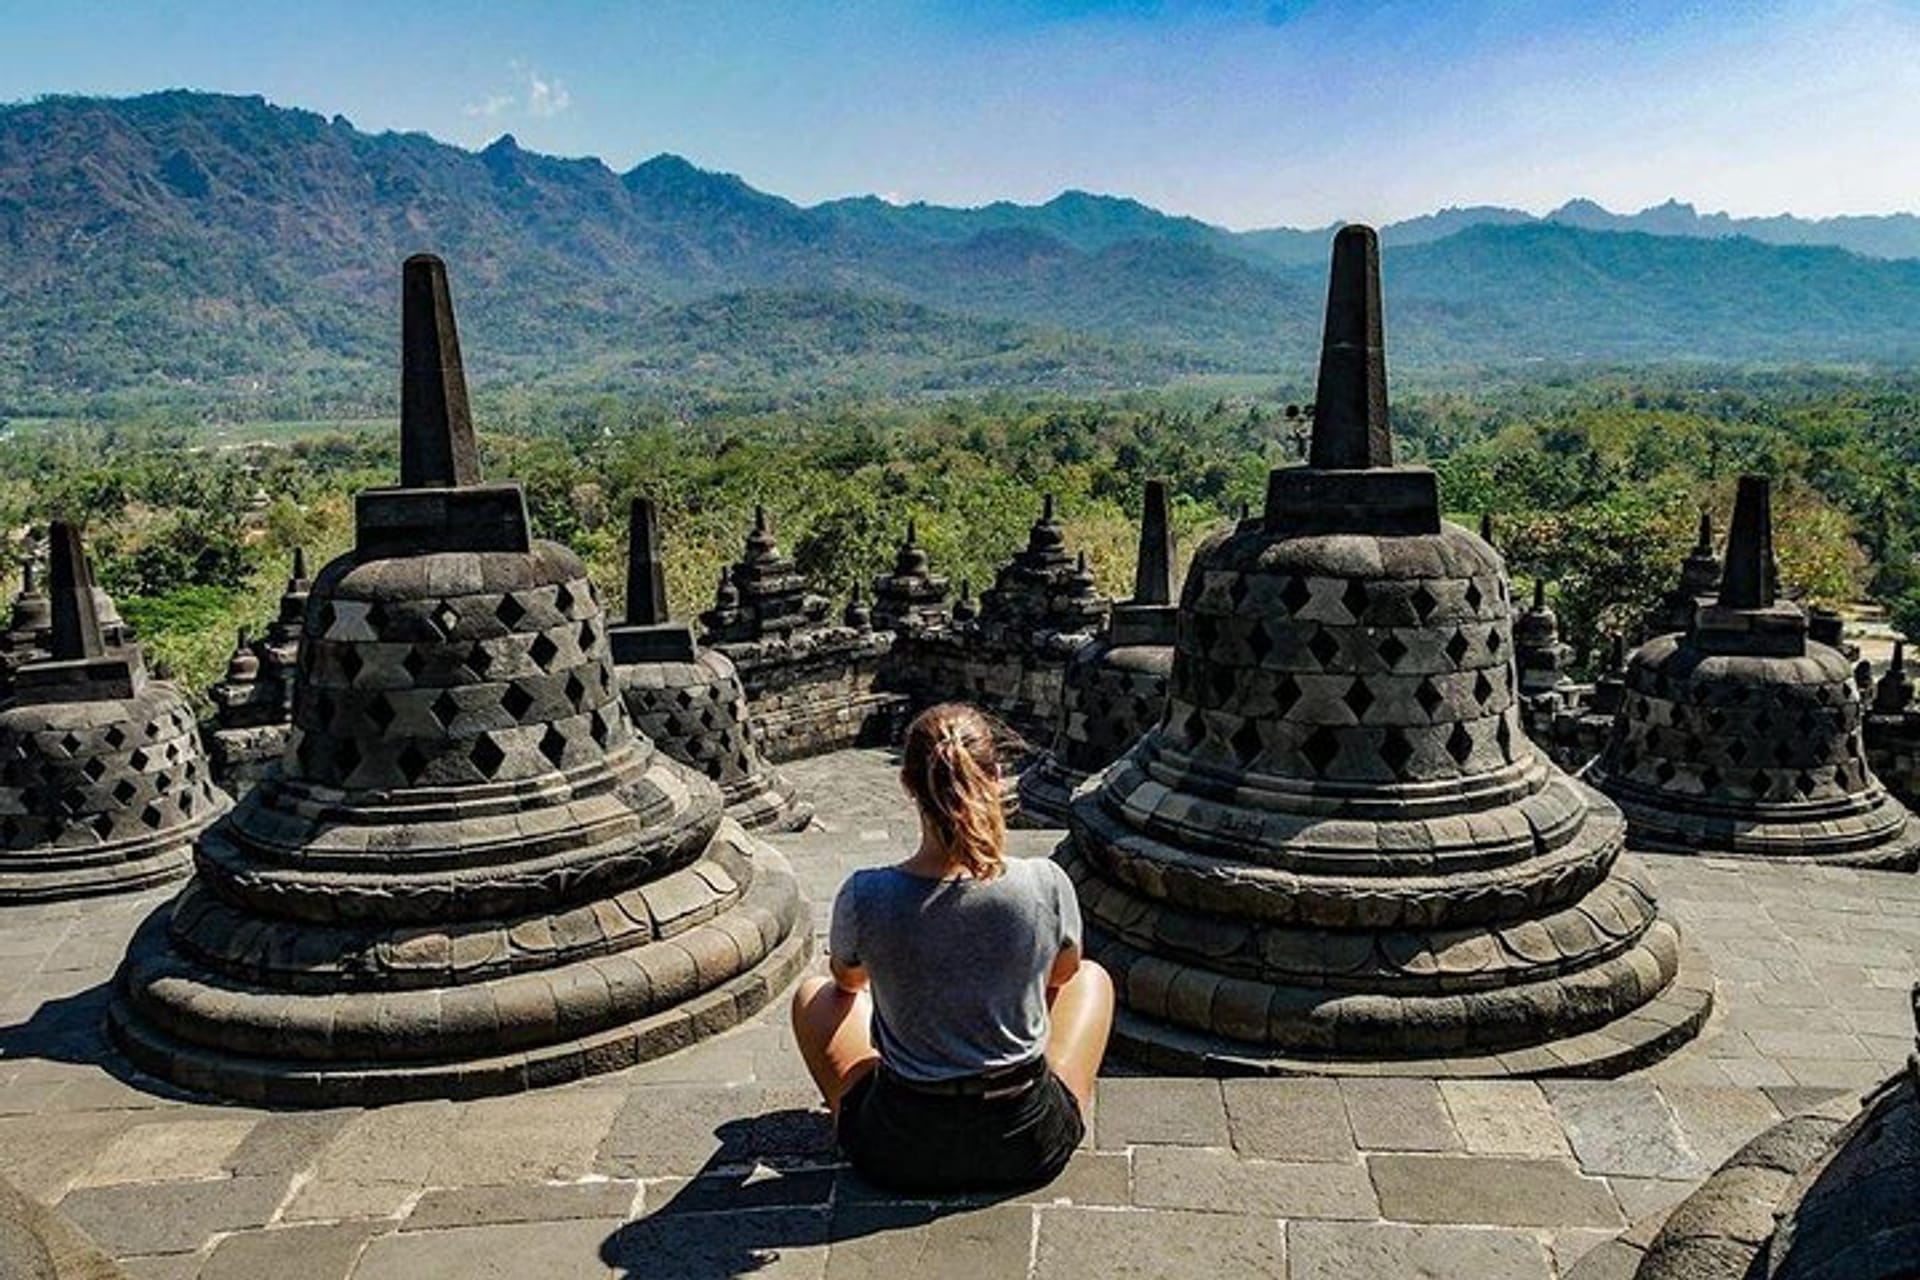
[(850, 978)]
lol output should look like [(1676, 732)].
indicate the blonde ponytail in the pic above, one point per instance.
[(951, 770)]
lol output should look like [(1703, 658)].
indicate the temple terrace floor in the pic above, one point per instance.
[(718, 1162)]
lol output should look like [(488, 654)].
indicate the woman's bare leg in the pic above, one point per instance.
[(835, 1031), (1082, 1014)]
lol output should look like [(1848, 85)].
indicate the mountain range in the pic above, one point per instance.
[(183, 243)]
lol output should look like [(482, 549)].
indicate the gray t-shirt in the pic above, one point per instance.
[(958, 967)]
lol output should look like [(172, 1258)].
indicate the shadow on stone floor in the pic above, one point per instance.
[(752, 1203)]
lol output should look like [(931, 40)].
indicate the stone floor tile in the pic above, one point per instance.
[(1135, 1244), (286, 1142), (448, 1207), (172, 1217), (1827, 1046), (326, 1252), (1503, 1118), (1222, 1182), (1345, 1250), (1152, 1110), (1569, 1247), (754, 1187), (1716, 1122), (1302, 1119), (334, 1200), (887, 1241), (531, 1137), (1831, 1074), (1754, 1072), (42, 1154), (1622, 1127), (1642, 1198), (549, 1250), (1793, 1100), (1495, 1190), (168, 1150), (771, 1244), (678, 1130), (1612, 1260), (1399, 1115)]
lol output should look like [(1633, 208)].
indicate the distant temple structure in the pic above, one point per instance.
[(815, 685), (687, 698), (469, 874), (1338, 849), (1115, 688), (253, 702), (1743, 735), (103, 786)]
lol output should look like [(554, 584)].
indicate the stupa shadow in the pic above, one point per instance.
[(772, 1186)]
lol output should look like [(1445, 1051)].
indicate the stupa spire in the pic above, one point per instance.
[(1153, 571), (1703, 541), (299, 564), (437, 449), (1350, 404), (76, 613), (1749, 579), (646, 574)]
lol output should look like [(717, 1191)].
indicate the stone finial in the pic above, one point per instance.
[(1891, 694), (1617, 654), (1749, 578), (437, 448), (29, 577), (1350, 405), (1046, 510), (299, 565), (913, 533), (76, 616), (1539, 595), (1486, 527), (1153, 572), (1703, 542), (646, 574)]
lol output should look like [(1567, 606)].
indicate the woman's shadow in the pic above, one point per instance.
[(750, 1203)]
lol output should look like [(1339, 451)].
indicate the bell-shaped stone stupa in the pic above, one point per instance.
[(1338, 851), (688, 698), (469, 875), (912, 597), (1741, 735), (103, 786), (1116, 687)]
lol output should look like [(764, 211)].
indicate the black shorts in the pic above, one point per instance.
[(906, 1140)]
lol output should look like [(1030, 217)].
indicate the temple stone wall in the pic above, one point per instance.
[(820, 692)]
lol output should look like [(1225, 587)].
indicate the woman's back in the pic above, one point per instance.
[(958, 966)]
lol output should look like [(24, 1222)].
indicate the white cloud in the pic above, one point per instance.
[(540, 98)]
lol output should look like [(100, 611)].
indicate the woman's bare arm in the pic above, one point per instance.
[(850, 978), (1065, 965)]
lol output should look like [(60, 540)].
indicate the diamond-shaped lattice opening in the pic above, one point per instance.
[(683, 698), (479, 659), (377, 618), (543, 651), (323, 617), (1494, 641), (73, 800), (444, 618), (563, 598), (1259, 643), (1206, 631), (1246, 743), (587, 636), (509, 611), (1193, 728), (172, 753), (1482, 688), (445, 709), (1460, 744), (1474, 595), (94, 768), (162, 782), (1320, 748), (124, 790), (1237, 590), (1429, 697), (1737, 750), (1665, 772), (553, 745), (346, 757), (517, 701), (575, 690), (1457, 646), (350, 662), (1391, 650), (1504, 736), (152, 816), (1761, 783), (1396, 750), (598, 727), (414, 663), (381, 713), (486, 755), (1295, 594), (116, 737), (70, 743), (1354, 598), (102, 825), (1423, 602), (1323, 646), (139, 760), (1358, 698), (1804, 784), (1783, 753), (413, 762), (186, 803), (1222, 681), (1286, 694)]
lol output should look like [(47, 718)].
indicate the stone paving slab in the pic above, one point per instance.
[(717, 1162)]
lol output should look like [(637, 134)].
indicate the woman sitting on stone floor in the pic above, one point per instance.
[(959, 1035)]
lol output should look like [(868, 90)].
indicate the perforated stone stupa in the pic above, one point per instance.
[(253, 702), (102, 783), (470, 875), (1338, 851), (29, 624), (1741, 735), (687, 698), (1116, 687)]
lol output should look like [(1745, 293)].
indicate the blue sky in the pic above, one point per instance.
[(1245, 112)]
